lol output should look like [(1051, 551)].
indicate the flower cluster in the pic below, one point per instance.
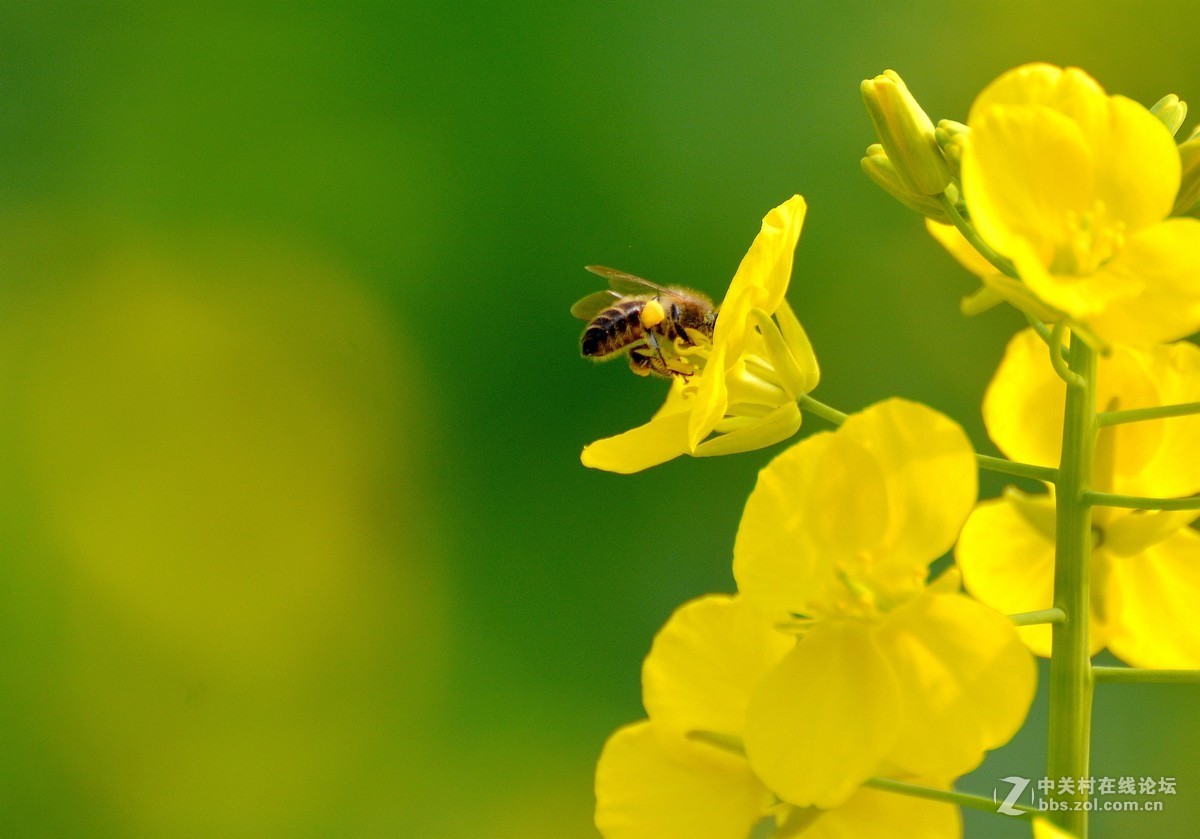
[(843, 689), (1145, 574), (835, 663)]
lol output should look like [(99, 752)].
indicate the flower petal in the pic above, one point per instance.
[(644, 791), (967, 678), (1025, 172), (763, 275), (821, 722), (1023, 411), (1157, 625), (1008, 563), (664, 438), (775, 427), (705, 663), (1165, 260), (871, 812), (932, 482), (788, 549)]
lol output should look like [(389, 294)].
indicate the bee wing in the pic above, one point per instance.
[(627, 283), (594, 304)]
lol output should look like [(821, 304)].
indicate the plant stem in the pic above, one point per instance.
[(1039, 617), (1070, 662), (820, 409), (1000, 263), (1138, 502), (1137, 676), (949, 796), (1140, 414), (1021, 470)]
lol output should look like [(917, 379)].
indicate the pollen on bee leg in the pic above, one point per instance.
[(652, 314)]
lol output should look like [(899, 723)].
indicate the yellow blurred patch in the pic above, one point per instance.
[(213, 452)]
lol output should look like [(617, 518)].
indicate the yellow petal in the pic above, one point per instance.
[(1069, 89), (1158, 624), (1165, 260), (1130, 532), (763, 275), (644, 791), (705, 663), (1023, 405), (711, 399), (1132, 155), (663, 438), (1023, 411), (800, 346), (1137, 164), (871, 812), (1025, 172), (788, 548), (966, 677), (932, 481), (775, 427), (821, 722), (1008, 563), (1162, 460)]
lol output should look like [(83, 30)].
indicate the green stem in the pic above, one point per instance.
[(1039, 617), (1138, 502), (1021, 470), (1004, 266), (1070, 662), (948, 796), (1057, 360), (1139, 414), (1040, 328), (820, 409), (1137, 676)]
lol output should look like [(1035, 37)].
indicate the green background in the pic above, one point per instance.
[(295, 539)]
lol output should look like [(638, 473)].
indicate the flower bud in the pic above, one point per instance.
[(951, 138), (880, 169), (906, 133), (1188, 198), (1171, 111)]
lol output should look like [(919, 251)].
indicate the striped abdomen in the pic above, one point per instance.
[(614, 329)]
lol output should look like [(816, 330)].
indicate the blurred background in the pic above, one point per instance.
[(295, 539)]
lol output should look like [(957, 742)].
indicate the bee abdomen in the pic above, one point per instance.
[(612, 330)]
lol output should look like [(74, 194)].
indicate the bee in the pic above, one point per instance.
[(634, 315)]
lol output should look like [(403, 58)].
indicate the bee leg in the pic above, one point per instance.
[(658, 353), (640, 364)]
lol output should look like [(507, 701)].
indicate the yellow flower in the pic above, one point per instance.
[(1075, 187), (1145, 565), (836, 541), (751, 373), (681, 774)]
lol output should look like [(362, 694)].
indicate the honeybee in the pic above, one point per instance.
[(633, 315)]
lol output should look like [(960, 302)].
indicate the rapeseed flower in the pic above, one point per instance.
[(887, 671), (681, 774), (758, 363), (1076, 187), (1145, 571)]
